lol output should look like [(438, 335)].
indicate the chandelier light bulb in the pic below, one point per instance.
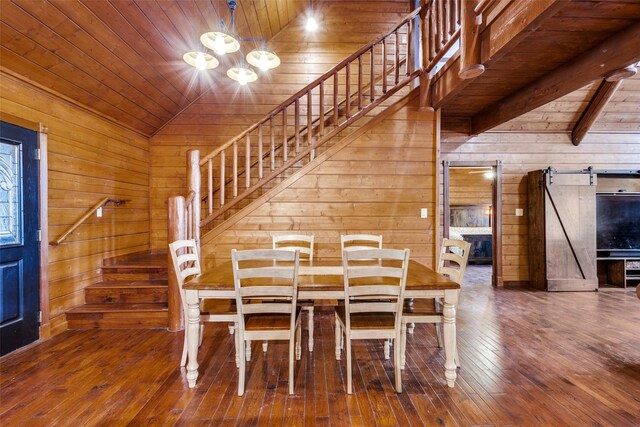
[(312, 24), (263, 62), (242, 77), (219, 46), (201, 62)]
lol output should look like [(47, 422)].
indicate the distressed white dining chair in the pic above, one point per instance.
[(266, 286), (304, 244), (452, 262), (380, 316), (186, 263)]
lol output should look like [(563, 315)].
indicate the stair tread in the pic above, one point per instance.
[(154, 260), (117, 307), (129, 284)]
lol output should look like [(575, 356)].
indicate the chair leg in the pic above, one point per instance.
[(349, 374), (411, 327), (397, 354), (387, 349), (241, 370), (403, 345), (291, 362), (310, 327), (298, 342), (456, 359), (248, 350), (338, 338), (200, 334), (183, 359), (237, 343), (439, 338), (265, 346)]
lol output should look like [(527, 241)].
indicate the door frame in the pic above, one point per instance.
[(43, 168), (496, 211)]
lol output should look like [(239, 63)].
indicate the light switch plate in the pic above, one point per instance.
[(423, 212), (99, 212), (519, 212)]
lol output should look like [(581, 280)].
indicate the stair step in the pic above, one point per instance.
[(118, 316), (141, 291)]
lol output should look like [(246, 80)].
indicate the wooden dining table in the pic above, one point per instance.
[(322, 280)]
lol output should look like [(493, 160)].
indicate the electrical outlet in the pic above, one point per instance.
[(403, 39), (519, 212), (423, 213), (99, 212)]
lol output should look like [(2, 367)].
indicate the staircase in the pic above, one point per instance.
[(131, 295), (133, 292)]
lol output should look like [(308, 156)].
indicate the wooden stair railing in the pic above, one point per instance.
[(280, 137), (295, 129), (103, 202)]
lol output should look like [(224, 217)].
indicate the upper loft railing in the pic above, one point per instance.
[(291, 133)]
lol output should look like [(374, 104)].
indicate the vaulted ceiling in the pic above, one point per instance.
[(124, 58)]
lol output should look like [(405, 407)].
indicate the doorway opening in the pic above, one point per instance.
[(472, 212)]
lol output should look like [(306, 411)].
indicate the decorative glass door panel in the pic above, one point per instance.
[(10, 194)]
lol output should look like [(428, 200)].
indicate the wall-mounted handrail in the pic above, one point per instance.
[(103, 202)]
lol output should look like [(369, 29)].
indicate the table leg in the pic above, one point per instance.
[(193, 328), (449, 331)]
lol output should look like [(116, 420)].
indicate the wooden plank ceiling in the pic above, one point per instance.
[(124, 58), (575, 28)]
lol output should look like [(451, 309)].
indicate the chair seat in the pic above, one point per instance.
[(218, 306), (368, 320), (268, 321)]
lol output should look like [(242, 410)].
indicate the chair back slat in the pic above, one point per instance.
[(279, 272), (374, 290), (294, 242), (375, 271), (267, 308), (374, 307), (356, 242), (263, 291)]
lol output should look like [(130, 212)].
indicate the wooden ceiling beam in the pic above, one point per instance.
[(600, 99), (618, 51), (592, 112)]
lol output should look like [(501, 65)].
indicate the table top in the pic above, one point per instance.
[(322, 275)]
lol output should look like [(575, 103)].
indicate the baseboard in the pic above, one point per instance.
[(516, 284)]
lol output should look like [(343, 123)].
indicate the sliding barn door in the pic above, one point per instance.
[(570, 223)]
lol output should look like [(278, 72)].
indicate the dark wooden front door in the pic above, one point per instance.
[(19, 242)]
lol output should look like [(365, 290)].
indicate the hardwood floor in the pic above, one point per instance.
[(528, 358)]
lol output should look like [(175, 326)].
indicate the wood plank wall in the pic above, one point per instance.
[(227, 110), (521, 152), (469, 189), (89, 158), (375, 184)]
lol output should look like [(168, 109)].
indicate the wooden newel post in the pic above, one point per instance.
[(470, 65), (193, 184), (176, 230)]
